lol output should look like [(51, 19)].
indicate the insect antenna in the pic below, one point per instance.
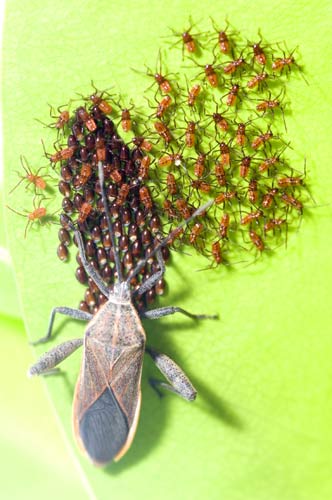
[(90, 270), (109, 223), (168, 238)]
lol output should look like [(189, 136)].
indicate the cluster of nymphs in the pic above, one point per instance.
[(212, 129), (221, 120)]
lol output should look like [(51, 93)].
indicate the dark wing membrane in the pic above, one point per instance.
[(104, 428), (106, 398)]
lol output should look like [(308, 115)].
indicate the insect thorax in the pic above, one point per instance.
[(121, 293)]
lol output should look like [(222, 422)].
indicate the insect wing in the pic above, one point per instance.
[(107, 396)]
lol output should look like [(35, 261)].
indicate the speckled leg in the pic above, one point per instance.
[(68, 311), (179, 383), (53, 357), (166, 311)]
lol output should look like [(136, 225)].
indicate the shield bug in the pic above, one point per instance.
[(108, 396)]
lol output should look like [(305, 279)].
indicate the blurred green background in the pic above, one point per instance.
[(261, 426)]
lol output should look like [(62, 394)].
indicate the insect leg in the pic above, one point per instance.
[(68, 311), (166, 311), (53, 357), (150, 282), (179, 383)]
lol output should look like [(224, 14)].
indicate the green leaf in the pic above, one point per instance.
[(260, 427)]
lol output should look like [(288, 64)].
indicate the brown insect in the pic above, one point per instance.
[(259, 54), (219, 120), (262, 139), (163, 83), (232, 66), (220, 173), (108, 392), (211, 75), (256, 240), (293, 202), (268, 163), (249, 218), (126, 121), (171, 184), (190, 134), (169, 209), (202, 186), (142, 143), (61, 155), (176, 234), (231, 97), (225, 154), (245, 166), (84, 212), (36, 215), (188, 42), (62, 119), (103, 105), (78, 130), (268, 104), (253, 191), (116, 176), (284, 182), (144, 167), (163, 106), (223, 40), (31, 178), (223, 197), (199, 165), (145, 197), (216, 252), (169, 159), (284, 63), (257, 80), (183, 208), (163, 131), (271, 224), (224, 226), (85, 174), (195, 232), (240, 136), (83, 116), (193, 94), (269, 197), (100, 147), (122, 194)]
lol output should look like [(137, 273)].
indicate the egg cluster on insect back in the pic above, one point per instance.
[(86, 137), (213, 127), (92, 138)]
